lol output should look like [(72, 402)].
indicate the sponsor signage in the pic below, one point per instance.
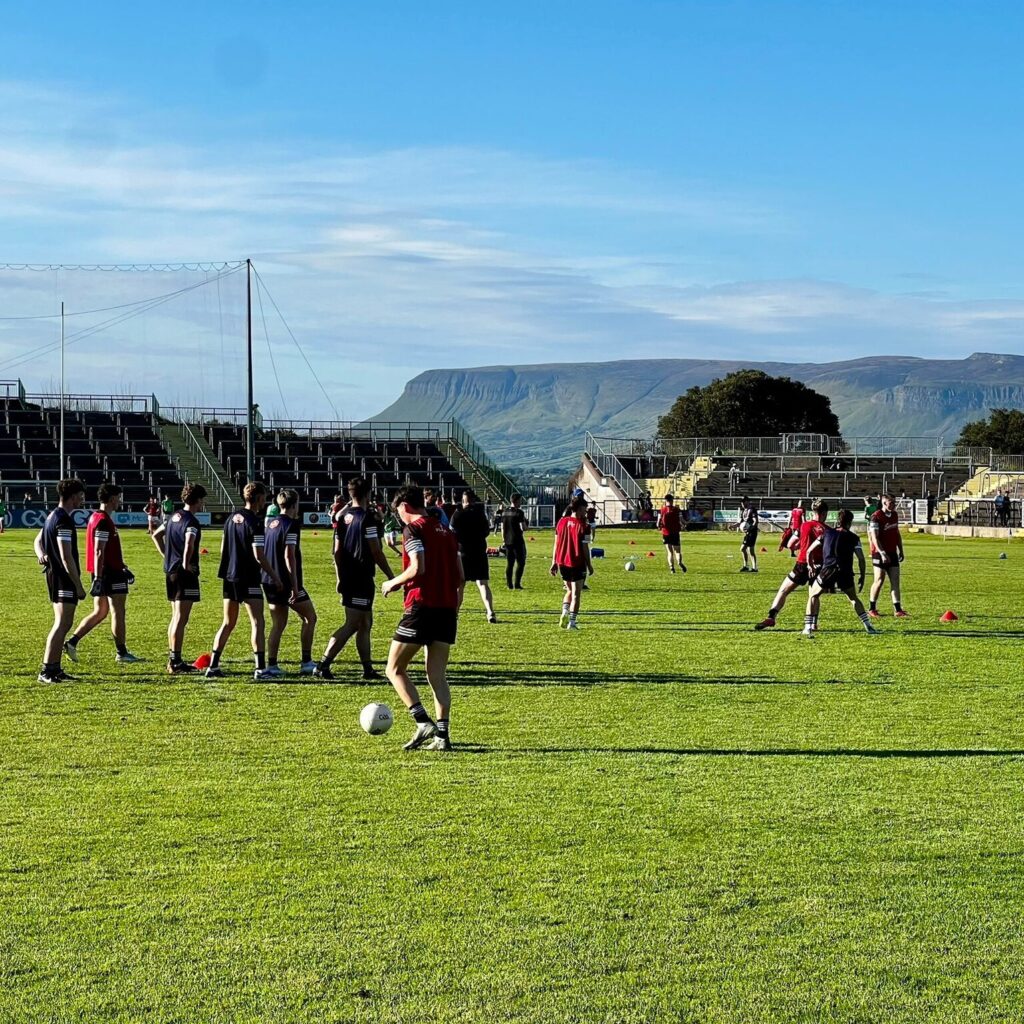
[(316, 518), (33, 518)]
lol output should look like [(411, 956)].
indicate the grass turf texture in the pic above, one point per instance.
[(663, 817)]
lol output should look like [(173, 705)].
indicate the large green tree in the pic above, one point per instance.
[(1003, 432), (749, 403)]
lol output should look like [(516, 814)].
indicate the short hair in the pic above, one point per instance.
[(106, 491), (744, 498), (889, 496), (411, 496), (670, 498), (253, 490), (578, 503), (429, 492), (516, 497), (820, 505), (845, 518), (191, 493), (287, 497), (471, 494), (69, 488), (359, 487)]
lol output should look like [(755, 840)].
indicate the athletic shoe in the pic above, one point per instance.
[(492, 619), (323, 672), (765, 623), (562, 618), (307, 668), (573, 625), (180, 668), (871, 631), (48, 677), (753, 570), (808, 633), (873, 614), (744, 569), (63, 677), (71, 650), (682, 567), (270, 672), (215, 672), (128, 658), (439, 743), (519, 586), (370, 674), (672, 571), (424, 731), (902, 614)]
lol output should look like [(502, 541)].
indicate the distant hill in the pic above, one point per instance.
[(537, 415)]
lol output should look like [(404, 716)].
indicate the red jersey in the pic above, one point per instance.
[(571, 536), (438, 585), (884, 531), (670, 519), (809, 533), (153, 507), (101, 527), (796, 519)]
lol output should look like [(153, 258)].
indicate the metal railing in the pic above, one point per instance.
[(198, 452), (609, 465), (463, 441), (94, 403), (12, 389)]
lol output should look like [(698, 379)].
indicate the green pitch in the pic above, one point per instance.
[(662, 817)]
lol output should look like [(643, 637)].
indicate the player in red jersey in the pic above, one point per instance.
[(807, 562), (670, 522), (110, 577), (152, 513), (796, 520), (433, 581), (571, 558), (886, 555)]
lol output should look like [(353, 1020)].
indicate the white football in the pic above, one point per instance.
[(630, 567), (376, 719)]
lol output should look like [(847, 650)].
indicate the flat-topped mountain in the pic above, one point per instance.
[(537, 415)]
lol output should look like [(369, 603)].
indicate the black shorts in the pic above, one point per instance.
[(424, 626), (60, 588), (571, 574), (750, 538), (115, 584), (242, 593), (183, 586), (800, 574), (358, 591), (833, 580), (894, 561), (670, 539), (476, 568), (280, 597)]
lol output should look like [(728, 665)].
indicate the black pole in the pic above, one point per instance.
[(250, 438)]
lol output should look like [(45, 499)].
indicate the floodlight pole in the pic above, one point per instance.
[(250, 440), (63, 465)]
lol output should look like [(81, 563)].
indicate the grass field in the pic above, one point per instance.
[(663, 817)]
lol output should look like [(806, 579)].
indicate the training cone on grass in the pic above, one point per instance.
[(204, 551), (650, 554), (949, 616), (764, 551), (1002, 554), (203, 661), (632, 543)]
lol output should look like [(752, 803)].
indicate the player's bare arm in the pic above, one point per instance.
[(379, 558), (861, 567), (67, 557), (260, 556), (293, 571), (417, 565), (37, 546), (158, 539)]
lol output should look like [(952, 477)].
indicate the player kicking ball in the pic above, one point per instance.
[(839, 546), (432, 579), (886, 555)]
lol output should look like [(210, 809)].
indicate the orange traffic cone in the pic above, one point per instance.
[(203, 661), (949, 616)]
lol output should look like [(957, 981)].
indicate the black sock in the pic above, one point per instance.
[(261, 659), (307, 654), (419, 714), (772, 612), (897, 606), (176, 657), (72, 641), (442, 726), (121, 648), (215, 659), (273, 661), (367, 667), (872, 606)]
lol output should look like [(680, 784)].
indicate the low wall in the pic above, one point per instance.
[(991, 532)]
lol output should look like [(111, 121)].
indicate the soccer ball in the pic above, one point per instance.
[(630, 567), (376, 719)]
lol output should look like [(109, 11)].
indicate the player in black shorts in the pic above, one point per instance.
[(513, 536), (56, 548), (472, 527), (357, 555), (178, 541), (284, 552), (749, 525), (839, 548), (242, 564)]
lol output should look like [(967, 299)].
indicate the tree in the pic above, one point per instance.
[(749, 403), (1003, 432)]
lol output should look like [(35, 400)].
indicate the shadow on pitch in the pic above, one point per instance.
[(469, 674), (746, 752)]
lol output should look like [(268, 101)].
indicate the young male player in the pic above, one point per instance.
[(570, 558), (3, 515), (110, 577), (152, 514), (357, 554), (886, 555), (513, 537), (432, 578), (282, 549), (796, 520), (178, 541), (472, 528), (670, 522), (242, 563), (749, 526), (56, 548), (807, 561), (839, 547)]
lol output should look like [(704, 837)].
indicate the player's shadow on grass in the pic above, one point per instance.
[(1005, 634), (468, 674), (910, 754)]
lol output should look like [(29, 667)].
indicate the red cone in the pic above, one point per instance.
[(764, 551), (203, 661), (650, 554), (204, 551), (632, 543), (949, 616)]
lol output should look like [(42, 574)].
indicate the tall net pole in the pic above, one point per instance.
[(250, 440), (62, 390)]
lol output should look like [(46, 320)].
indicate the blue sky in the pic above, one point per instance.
[(440, 184)]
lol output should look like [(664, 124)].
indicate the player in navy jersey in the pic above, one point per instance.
[(281, 545), (838, 547), (242, 564), (56, 548), (432, 580), (357, 555), (110, 577), (178, 541)]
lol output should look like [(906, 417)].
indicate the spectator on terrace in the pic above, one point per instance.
[(930, 498), (734, 476), (1002, 508)]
